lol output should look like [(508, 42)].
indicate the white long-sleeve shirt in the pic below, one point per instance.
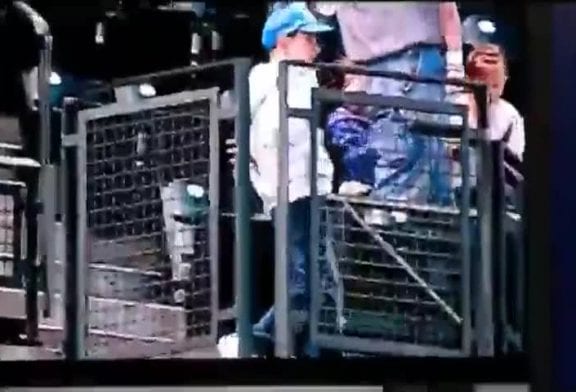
[(264, 135), (504, 116)]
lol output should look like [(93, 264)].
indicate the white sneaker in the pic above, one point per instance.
[(228, 346)]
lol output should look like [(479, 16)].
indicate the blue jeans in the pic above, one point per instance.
[(299, 269), (411, 166)]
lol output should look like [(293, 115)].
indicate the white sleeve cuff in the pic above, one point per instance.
[(327, 8), (455, 58)]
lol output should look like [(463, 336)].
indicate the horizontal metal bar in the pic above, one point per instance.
[(8, 146), (380, 346), (119, 348), (156, 103), (434, 129), (70, 140), (177, 71), (26, 353), (127, 336), (305, 114), (356, 98), (227, 314), (18, 162), (255, 218), (125, 270), (8, 187), (13, 303), (368, 202), (358, 70), (128, 347), (422, 127)]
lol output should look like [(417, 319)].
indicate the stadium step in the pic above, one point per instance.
[(127, 319), (110, 281), (26, 353), (130, 284)]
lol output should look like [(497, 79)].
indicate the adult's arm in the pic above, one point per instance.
[(451, 25), (451, 28)]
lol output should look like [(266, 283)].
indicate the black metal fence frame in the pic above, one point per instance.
[(361, 345), (74, 219)]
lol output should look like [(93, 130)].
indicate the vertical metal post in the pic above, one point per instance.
[(44, 72), (243, 245), (499, 246), (47, 194), (283, 336), (75, 302), (484, 313), (214, 211), (520, 274), (466, 242), (31, 212), (35, 243), (315, 283)]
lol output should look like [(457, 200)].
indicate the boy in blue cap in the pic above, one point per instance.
[(288, 34)]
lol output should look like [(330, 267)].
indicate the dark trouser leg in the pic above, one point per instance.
[(298, 286)]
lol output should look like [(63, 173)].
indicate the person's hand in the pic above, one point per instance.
[(464, 98), (354, 188), (352, 82), (231, 151)]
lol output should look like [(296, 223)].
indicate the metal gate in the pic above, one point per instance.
[(147, 225), (402, 277), (401, 270)]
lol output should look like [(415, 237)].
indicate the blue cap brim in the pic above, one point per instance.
[(314, 28)]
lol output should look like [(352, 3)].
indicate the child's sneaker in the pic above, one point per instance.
[(228, 346)]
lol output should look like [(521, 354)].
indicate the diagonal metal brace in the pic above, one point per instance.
[(400, 260)]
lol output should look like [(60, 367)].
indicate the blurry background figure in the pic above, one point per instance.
[(487, 64)]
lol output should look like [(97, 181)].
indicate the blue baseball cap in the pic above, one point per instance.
[(289, 19)]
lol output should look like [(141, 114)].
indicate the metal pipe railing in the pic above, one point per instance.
[(75, 301), (40, 191), (243, 243)]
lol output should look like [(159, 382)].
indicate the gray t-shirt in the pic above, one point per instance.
[(375, 29)]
